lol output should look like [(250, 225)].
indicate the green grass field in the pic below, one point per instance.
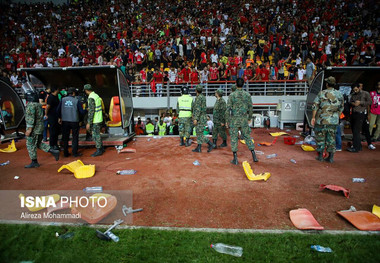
[(39, 244)]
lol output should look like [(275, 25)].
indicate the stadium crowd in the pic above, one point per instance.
[(191, 41)]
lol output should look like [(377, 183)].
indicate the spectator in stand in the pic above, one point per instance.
[(158, 79)]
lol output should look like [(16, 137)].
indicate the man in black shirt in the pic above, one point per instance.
[(51, 116)]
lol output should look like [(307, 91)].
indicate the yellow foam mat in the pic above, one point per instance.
[(10, 149), (243, 141), (254, 177), (79, 169), (307, 148), (275, 134), (376, 210), (36, 208)]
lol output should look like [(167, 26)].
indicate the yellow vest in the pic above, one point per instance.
[(149, 129), (162, 129), (98, 115), (184, 106)]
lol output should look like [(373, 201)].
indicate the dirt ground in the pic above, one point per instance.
[(216, 194)]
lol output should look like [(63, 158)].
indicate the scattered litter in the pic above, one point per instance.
[(157, 137), (67, 235), (293, 161), (56, 234), (321, 249), (362, 220), (79, 169), (270, 156), (194, 181), (228, 249), (254, 177), (299, 143), (196, 163), (243, 141), (288, 130), (6, 163), (127, 150), (303, 219), (126, 172), (376, 210), (296, 136), (93, 189), (28, 261), (352, 209), (336, 188), (309, 140), (128, 158), (134, 139), (289, 140), (16, 177), (358, 180), (108, 235), (258, 144), (118, 148), (259, 152), (10, 149), (129, 210), (149, 139)]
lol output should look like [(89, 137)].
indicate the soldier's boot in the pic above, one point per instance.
[(55, 153), (98, 152), (182, 142), (330, 158), (187, 144), (214, 141), (224, 144), (88, 137), (235, 160), (320, 157), (254, 156), (211, 146), (33, 164), (198, 149)]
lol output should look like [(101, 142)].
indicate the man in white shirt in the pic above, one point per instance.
[(301, 73), (172, 75), (204, 75), (214, 57)]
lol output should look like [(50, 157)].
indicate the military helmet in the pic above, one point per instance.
[(185, 90), (219, 92), (199, 88)]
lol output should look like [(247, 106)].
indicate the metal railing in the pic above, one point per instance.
[(255, 88)]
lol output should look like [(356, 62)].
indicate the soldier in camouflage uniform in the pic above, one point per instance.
[(184, 105), (34, 129), (238, 116), (233, 88), (95, 118), (199, 110), (219, 115), (327, 107)]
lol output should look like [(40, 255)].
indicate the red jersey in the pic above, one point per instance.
[(194, 77), (214, 73), (264, 74), (185, 74), (158, 77), (232, 69), (203, 58)]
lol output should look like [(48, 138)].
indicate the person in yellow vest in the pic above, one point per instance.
[(95, 118), (161, 128), (184, 105), (149, 128)]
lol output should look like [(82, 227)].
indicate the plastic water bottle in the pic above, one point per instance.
[(196, 163), (358, 180), (94, 189), (293, 161), (126, 172), (6, 163), (114, 237), (227, 249), (272, 155), (321, 249)]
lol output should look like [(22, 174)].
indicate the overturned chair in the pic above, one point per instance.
[(79, 169)]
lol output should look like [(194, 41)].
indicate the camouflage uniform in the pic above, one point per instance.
[(238, 112), (34, 120), (219, 114), (94, 127), (329, 105), (199, 113)]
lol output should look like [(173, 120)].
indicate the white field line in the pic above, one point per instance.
[(207, 230)]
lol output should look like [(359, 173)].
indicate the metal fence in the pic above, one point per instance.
[(256, 88)]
